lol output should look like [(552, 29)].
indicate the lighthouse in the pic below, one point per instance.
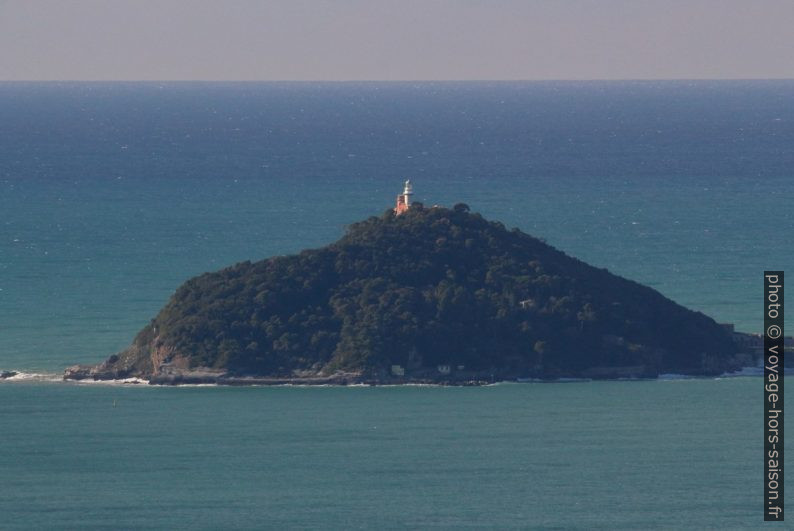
[(404, 199)]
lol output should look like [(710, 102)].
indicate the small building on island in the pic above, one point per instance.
[(404, 199)]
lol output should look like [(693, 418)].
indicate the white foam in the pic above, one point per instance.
[(744, 371), (22, 376), (122, 381), (675, 376), (56, 377), (185, 385)]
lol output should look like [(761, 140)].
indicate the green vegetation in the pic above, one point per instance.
[(430, 287)]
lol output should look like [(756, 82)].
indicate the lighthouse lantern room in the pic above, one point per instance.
[(404, 199)]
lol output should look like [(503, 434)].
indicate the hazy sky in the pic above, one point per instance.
[(395, 39)]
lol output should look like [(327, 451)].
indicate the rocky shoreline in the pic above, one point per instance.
[(208, 376), (172, 376)]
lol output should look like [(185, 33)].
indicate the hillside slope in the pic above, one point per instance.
[(429, 290)]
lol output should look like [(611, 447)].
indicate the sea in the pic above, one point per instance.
[(113, 194)]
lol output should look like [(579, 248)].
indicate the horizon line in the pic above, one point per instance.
[(461, 80)]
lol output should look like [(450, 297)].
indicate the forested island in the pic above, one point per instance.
[(433, 295)]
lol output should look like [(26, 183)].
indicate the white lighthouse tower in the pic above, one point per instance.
[(404, 199)]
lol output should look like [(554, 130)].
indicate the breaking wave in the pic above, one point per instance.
[(56, 377), (22, 376)]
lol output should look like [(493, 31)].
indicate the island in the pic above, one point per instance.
[(418, 295)]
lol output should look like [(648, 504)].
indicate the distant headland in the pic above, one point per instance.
[(419, 295)]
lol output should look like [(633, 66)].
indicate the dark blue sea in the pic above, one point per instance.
[(113, 194)]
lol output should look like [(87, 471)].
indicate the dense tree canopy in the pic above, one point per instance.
[(429, 287)]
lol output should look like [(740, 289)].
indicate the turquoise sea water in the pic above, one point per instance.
[(111, 195), (598, 455)]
